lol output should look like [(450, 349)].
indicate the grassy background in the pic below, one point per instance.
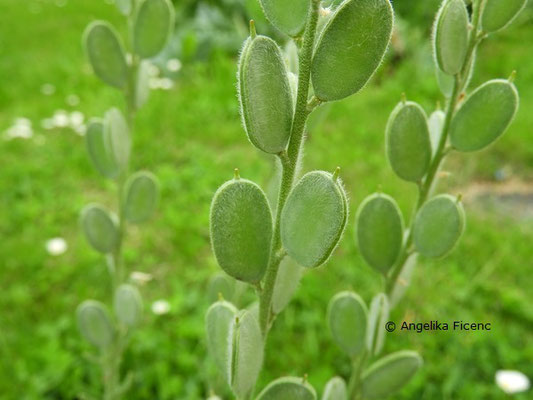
[(191, 139)]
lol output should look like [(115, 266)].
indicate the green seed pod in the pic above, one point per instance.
[(379, 229), (117, 137), (389, 374), (446, 82), (435, 124), (219, 322), (407, 141), (484, 116), (100, 228), (403, 281), (142, 89), (265, 95), (500, 14), (220, 285), (450, 37), (314, 218), (377, 318), (438, 226), (287, 281), (128, 305), (346, 55), (95, 323), (288, 17), (153, 23), (335, 389), (106, 54), (288, 388), (347, 319), (124, 6), (100, 157), (241, 229), (141, 196)]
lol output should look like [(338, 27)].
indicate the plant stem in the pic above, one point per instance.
[(289, 162), (355, 377)]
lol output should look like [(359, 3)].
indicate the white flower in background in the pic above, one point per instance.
[(21, 128), (173, 65), (56, 246), (48, 89), (61, 118), (140, 278), (166, 83), (160, 307), (48, 123), (512, 381), (213, 397), (153, 70)]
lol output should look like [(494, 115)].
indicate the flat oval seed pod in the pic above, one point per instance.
[(484, 116), (389, 374), (220, 285), (451, 36), (377, 318), (446, 82), (153, 23), (265, 95), (346, 55), (100, 157), (288, 388), (287, 281), (128, 305), (313, 219), (142, 90), (117, 137), (435, 124), (95, 323), (438, 226), (347, 319), (141, 196), (288, 17), (335, 389), (499, 14), (379, 229), (106, 54), (220, 329), (407, 141), (100, 228), (241, 229)]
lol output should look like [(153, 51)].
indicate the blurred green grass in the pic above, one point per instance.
[(191, 139)]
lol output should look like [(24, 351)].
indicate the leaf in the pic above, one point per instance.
[(100, 157), (153, 24), (117, 137), (500, 14), (351, 48), (377, 318), (100, 228), (288, 388), (95, 323), (335, 389), (288, 17), (287, 282), (141, 196), (128, 305)]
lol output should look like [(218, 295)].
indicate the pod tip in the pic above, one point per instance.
[(253, 32)]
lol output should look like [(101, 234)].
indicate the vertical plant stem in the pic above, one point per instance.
[(355, 377)]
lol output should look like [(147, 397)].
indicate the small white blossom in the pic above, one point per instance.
[(76, 119), (56, 246), (61, 118), (153, 70), (160, 307), (173, 65), (512, 381), (140, 277)]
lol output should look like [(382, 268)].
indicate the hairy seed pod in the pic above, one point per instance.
[(347, 319), (142, 89), (407, 141), (335, 389), (241, 229), (288, 388), (220, 285), (128, 305), (95, 323), (117, 137), (450, 36), (484, 116), (314, 218), (153, 23), (101, 159), (347, 55), (100, 228), (124, 6), (379, 230), (435, 124), (377, 318), (446, 82), (438, 226), (403, 281), (499, 14), (265, 95), (287, 281), (141, 196), (288, 17), (389, 374), (106, 54)]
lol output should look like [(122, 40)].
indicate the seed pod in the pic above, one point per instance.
[(220, 285), (438, 226), (241, 229), (265, 95), (288, 388), (403, 281), (117, 137), (335, 389), (124, 6), (407, 141), (106, 54), (435, 124), (128, 305), (100, 228), (389, 374), (377, 318), (153, 23), (287, 281), (288, 17), (347, 319), (141, 196), (500, 14), (484, 116), (379, 229), (446, 82), (450, 36), (346, 55), (142, 89), (314, 218), (100, 157), (95, 323)]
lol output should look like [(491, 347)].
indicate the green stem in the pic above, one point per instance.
[(355, 377)]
